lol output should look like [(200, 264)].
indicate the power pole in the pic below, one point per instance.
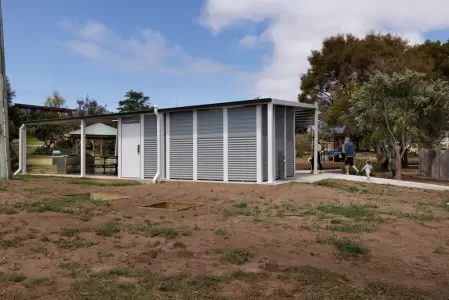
[(5, 166)]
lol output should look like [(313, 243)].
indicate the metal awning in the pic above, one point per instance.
[(304, 117)]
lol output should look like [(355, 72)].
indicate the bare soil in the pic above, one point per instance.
[(341, 240)]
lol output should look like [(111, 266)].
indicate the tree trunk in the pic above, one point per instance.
[(382, 156), (404, 160), (398, 163)]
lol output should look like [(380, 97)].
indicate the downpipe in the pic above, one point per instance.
[(159, 125), (22, 128)]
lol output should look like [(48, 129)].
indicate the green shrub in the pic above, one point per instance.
[(43, 151)]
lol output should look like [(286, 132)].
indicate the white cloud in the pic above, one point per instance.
[(248, 41), (149, 51), (298, 26)]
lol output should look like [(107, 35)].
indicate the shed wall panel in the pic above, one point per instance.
[(181, 145), (210, 144), (290, 142), (150, 146), (242, 144), (265, 142), (279, 140)]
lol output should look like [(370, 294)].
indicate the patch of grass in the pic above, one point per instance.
[(38, 249), (13, 277), (237, 256), (73, 243), (45, 239), (38, 281), (16, 267), (327, 183), (345, 246), (179, 245), (440, 251), (221, 232), (73, 268), (239, 209), (25, 177), (356, 211), (352, 228), (169, 233), (337, 221), (102, 255), (8, 210), (191, 287), (66, 204), (144, 227), (147, 285), (70, 232), (412, 217), (352, 189), (10, 243), (109, 229), (257, 220), (14, 296), (97, 183), (122, 271)]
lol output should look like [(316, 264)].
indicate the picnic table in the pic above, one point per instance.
[(105, 163)]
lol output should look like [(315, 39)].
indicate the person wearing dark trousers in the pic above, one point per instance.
[(320, 166)]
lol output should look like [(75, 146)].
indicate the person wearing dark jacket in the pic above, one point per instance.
[(350, 155)]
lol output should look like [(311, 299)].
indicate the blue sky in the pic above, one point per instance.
[(39, 60), (182, 52)]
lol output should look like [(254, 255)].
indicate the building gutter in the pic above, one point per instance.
[(22, 128), (159, 163)]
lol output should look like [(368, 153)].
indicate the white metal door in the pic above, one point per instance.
[(130, 155)]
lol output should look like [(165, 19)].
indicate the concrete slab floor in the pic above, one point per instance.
[(306, 177)]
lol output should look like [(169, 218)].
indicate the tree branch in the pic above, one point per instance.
[(388, 124)]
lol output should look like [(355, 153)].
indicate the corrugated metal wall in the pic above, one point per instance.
[(242, 144), (265, 142), (279, 140), (210, 144), (290, 142), (150, 146), (181, 145)]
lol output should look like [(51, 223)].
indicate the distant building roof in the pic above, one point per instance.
[(97, 130), (338, 129), (41, 107)]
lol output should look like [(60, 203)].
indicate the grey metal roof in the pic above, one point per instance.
[(302, 107), (98, 129)]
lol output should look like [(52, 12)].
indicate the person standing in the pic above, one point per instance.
[(367, 168), (349, 156)]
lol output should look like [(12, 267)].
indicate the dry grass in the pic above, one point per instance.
[(248, 242)]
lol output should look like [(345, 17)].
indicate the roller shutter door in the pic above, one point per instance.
[(181, 145), (210, 144), (242, 144), (150, 146)]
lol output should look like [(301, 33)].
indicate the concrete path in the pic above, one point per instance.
[(306, 177)]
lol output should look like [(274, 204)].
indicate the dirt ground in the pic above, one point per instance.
[(331, 240)]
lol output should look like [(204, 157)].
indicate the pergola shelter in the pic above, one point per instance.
[(240, 141), (95, 132)]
